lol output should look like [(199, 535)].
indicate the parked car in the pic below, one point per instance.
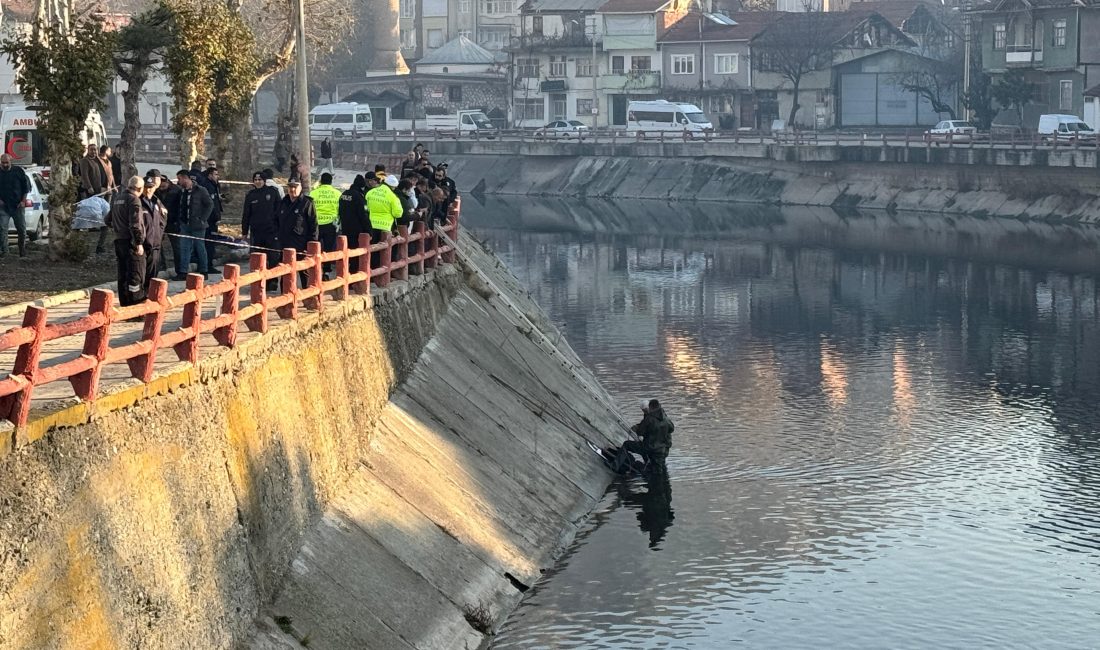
[(953, 130), (562, 129), (35, 208), (1064, 128)]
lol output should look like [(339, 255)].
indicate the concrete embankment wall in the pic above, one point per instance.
[(982, 190), (376, 477)]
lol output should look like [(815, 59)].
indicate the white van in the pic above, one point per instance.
[(340, 119), (26, 146), (1064, 127), (464, 121), (651, 117)]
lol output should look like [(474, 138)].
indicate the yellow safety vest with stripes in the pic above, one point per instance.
[(384, 207), (326, 199)]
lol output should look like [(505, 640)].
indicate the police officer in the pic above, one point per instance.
[(385, 209), (326, 199), (128, 225), (353, 215), (155, 216), (297, 220), (258, 220)]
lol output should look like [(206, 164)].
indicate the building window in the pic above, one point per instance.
[(557, 66), (584, 107), (434, 8), (1000, 36), (1059, 38), (527, 68), (465, 32), (1065, 95), (682, 64), (435, 38), (557, 105), (725, 63), (408, 38), (765, 61), (640, 63), (497, 7), (408, 8), (454, 93), (536, 25), (529, 109), (617, 65), (584, 67), (494, 39), (463, 6)]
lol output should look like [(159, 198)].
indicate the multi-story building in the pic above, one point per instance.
[(1053, 41), (555, 63), (630, 32), (426, 25), (497, 22), (706, 61)]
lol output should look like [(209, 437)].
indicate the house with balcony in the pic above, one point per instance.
[(630, 30), (498, 21), (554, 63), (1055, 43), (706, 61)]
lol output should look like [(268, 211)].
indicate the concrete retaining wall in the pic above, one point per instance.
[(981, 190), (374, 479)]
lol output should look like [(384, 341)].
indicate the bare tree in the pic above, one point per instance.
[(141, 43), (794, 46)]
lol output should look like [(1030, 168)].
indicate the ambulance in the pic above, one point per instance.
[(26, 146)]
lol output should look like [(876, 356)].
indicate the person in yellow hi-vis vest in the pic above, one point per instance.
[(384, 209), (326, 200)]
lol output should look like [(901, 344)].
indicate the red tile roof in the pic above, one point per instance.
[(749, 24)]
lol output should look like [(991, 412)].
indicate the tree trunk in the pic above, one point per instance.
[(63, 245), (794, 106), (219, 140), (135, 80), (190, 147), (244, 153)]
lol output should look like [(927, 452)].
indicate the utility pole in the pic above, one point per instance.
[(595, 75), (305, 155), (966, 55)]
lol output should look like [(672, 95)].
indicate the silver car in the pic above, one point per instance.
[(35, 208), (563, 129), (953, 130)]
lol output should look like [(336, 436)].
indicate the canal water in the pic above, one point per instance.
[(886, 426)]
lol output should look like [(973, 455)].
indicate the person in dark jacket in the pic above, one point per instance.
[(438, 215), (353, 215), (258, 220), (168, 193), (128, 224), (195, 205), (14, 187), (654, 434), (326, 156), (297, 221), (213, 187), (155, 216), (116, 163), (406, 193)]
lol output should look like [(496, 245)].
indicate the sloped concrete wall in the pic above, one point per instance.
[(981, 190), (371, 482)]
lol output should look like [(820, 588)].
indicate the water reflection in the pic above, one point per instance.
[(653, 504), (878, 445)]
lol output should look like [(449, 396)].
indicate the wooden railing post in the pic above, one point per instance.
[(141, 366), (188, 349), (96, 343), (419, 229), (17, 407), (227, 335), (342, 266), (289, 285), (364, 265), (385, 258), (258, 293), (316, 276), (403, 253)]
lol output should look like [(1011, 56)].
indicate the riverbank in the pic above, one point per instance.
[(1053, 194)]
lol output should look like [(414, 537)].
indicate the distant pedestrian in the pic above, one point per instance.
[(213, 187), (195, 206), (116, 164), (92, 179), (128, 224), (258, 221), (353, 215), (155, 217), (14, 187), (409, 163), (297, 220), (326, 156)]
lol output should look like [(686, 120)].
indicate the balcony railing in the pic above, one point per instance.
[(1025, 53), (571, 40), (631, 80)]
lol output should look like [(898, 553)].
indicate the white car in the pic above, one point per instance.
[(563, 129), (35, 208), (953, 130)]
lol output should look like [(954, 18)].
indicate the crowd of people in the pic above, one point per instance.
[(188, 211)]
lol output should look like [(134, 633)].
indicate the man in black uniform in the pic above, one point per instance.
[(260, 205), (654, 433), (297, 221), (129, 228), (155, 216), (353, 215)]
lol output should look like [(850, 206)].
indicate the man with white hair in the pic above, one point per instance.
[(129, 226)]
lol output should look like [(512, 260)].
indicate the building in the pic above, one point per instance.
[(706, 61), (497, 22), (1054, 42), (554, 63), (630, 31), (426, 25)]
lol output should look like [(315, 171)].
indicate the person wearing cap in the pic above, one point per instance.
[(353, 215), (129, 227), (297, 220), (654, 435), (258, 223), (384, 209), (326, 200), (155, 216)]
